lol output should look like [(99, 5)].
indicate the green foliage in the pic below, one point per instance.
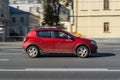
[(52, 11), (50, 16)]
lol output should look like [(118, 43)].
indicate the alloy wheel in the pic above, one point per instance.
[(82, 51), (33, 51)]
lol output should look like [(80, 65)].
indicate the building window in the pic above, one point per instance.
[(106, 4), (18, 7), (30, 1), (106, 26), (22, 19), (30, 9), (14, 2), (2, 15), (13, 19), (39, 1), (38, 9)]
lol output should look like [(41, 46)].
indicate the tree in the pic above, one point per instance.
[(52, 11)]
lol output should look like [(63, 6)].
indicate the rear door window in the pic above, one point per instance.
[(45, 33)]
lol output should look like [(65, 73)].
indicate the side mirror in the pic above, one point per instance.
[(71, 38)]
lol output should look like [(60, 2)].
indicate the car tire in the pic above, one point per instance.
[(33, 51), (82, 51)]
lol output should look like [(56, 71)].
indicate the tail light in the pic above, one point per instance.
[(25, 39)]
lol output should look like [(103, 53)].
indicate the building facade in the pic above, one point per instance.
[(4, 15), (32, 6), (97, 18), (21, 22)]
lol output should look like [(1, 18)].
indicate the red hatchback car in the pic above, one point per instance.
[(54, 40)]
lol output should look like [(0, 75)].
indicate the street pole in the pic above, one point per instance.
[(3, 34)]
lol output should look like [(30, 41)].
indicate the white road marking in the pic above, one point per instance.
[(4, 59), (110, 46), (116, 49), (10, 53), (64, 69), (60, 70), (71, 69)]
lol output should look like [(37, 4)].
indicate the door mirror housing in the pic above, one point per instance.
[(71, 38)]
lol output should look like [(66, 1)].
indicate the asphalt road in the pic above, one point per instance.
[(16, 65)]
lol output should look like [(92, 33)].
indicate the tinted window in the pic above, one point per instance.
[(44, 34), (22, 19), (61, 35), (13, 19)]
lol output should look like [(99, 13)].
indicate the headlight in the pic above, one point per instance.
[(93, 42)]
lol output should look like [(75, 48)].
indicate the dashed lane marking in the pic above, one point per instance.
[(10, 53), (61, 70), (4, 59), (116, 49)]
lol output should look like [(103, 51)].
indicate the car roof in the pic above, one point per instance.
[(47, 28)]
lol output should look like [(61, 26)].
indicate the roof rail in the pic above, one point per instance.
[(59, 27)]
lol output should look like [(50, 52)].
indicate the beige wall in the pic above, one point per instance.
[(89, 18), (93, 27)]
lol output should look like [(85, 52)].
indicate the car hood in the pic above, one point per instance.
[(83, 39)]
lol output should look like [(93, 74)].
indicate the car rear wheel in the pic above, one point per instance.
[(33, 51), (82, 51)]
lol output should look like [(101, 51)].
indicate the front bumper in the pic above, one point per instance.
[(94, 48)]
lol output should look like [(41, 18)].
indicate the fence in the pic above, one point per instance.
[(11, 38)]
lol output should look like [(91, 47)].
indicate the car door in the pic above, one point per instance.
[(46, 41), (63, 42)]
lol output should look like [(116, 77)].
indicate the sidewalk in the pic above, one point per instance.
[(107, 40)]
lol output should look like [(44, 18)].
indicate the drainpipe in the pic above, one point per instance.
[(76, 16)]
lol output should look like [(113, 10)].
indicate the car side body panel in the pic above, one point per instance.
[(56, 45)]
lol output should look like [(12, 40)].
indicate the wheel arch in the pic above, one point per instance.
[(82, 44), (40, 50)]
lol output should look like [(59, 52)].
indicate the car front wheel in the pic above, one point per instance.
[(82, 51), (32, 51)]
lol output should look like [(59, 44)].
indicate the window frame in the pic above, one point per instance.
[(51, 33), (22, 19), (38, 9), (106, 5), (61, 37), (13, 19), (106, 27)]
